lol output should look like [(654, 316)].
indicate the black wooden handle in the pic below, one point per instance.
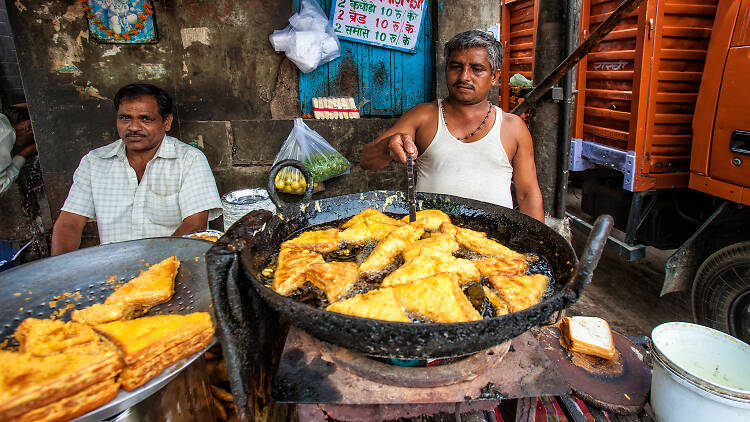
[(591, 253)]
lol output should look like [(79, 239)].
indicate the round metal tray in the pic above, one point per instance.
[(84, 277)]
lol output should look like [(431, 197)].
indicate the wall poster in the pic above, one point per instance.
[(386, 23), (121, 21)]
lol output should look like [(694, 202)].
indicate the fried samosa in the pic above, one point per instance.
[(390, 247), (322, 241), (290, 271), (44, 337), (333, 278), (376, 304), (431, 219), (371, 214), (438, 244), (438, 298), (520, 292), (366, 231), (102, 313), (479, 243), (500, 266), (152, 287), (428, 265)]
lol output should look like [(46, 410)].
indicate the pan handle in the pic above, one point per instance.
[(272, 178), (591, 253)]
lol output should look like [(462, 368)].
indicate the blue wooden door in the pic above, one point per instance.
[(387, 81)]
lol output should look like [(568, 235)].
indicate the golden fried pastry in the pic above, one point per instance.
[(377, 304), (29, 382), (438, 298), (322, 241), (290, 271), (500, 266), (147, 337), (71, 407), (371, 214), (520, 292), (501, 308), (478, 242), (333, 278), (151, 287), (432, 219), (428, 265), (102, 313), (140, 372), (437, 244), (390, 247), (44, 337), (366, 231)]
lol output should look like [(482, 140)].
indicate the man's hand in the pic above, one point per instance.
[(27, 152), (399, 145), (66, 234)]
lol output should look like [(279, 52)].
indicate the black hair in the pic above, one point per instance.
[(16, 114), (163, 100), (477, 38)]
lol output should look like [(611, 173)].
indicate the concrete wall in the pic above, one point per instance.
[(233, 93)]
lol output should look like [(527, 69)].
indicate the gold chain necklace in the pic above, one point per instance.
[(442, 108)]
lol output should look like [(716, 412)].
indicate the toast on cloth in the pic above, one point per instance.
[(72, 406), (28, 382), (376, 304), (589, 335), (333, 278), (150, 287), (102, 313), (438, 298), (147, 337), (44, 337)]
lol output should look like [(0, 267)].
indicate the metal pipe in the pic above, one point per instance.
[(622, 11)]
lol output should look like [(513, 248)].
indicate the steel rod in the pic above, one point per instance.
[(622, 11)]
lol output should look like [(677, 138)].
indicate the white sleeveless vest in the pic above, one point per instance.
[(478, 170)]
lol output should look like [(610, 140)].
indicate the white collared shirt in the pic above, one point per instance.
[(177, 183), (9, 166)]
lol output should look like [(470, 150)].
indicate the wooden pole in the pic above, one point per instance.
[(622, 11)]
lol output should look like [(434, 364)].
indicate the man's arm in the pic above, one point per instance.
[(528, 195), (193, 223), (395, 142), (66, 233)]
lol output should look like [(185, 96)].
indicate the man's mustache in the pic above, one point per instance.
[(464, 85), (134, 134)]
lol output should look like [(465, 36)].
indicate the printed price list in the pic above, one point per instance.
[(389, 23)]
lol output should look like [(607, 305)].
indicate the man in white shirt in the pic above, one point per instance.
[(146, 184), (16, 143)]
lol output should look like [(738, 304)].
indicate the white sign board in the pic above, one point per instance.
[(386, 23)]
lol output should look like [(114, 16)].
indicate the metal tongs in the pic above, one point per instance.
[(410, 187)]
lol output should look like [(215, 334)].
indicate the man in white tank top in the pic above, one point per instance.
[(464, 145)]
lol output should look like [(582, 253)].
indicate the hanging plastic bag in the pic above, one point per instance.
[(306, 145), (309, 40)]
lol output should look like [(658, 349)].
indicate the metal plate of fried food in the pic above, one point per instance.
[(53, 287)]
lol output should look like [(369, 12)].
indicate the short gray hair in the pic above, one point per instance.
[(477, 38)]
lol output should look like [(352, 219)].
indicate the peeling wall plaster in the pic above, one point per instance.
[(191, 36)]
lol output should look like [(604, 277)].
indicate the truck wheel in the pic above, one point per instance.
[(721, 291)]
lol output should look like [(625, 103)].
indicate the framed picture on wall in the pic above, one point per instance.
[(121, 21)]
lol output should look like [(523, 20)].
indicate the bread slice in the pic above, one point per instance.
[(150, 288), (589, 335), (102, 313), (73, 406), (147, 337), (44, 337), (29, 382)]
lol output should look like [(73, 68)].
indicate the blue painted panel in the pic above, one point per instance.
[(391, 81)]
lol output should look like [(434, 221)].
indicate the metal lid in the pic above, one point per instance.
[(246, 196)]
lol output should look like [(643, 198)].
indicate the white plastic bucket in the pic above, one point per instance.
[(237, 203), (700, 374)]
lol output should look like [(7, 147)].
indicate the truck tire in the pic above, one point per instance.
[(721, 291)]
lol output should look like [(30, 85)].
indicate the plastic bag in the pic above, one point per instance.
[(519, 80), (306, 145), (309, 40)]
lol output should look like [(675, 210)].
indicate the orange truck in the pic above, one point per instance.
[(661, 141)]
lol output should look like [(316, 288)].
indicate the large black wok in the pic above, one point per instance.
[(257, 240)]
